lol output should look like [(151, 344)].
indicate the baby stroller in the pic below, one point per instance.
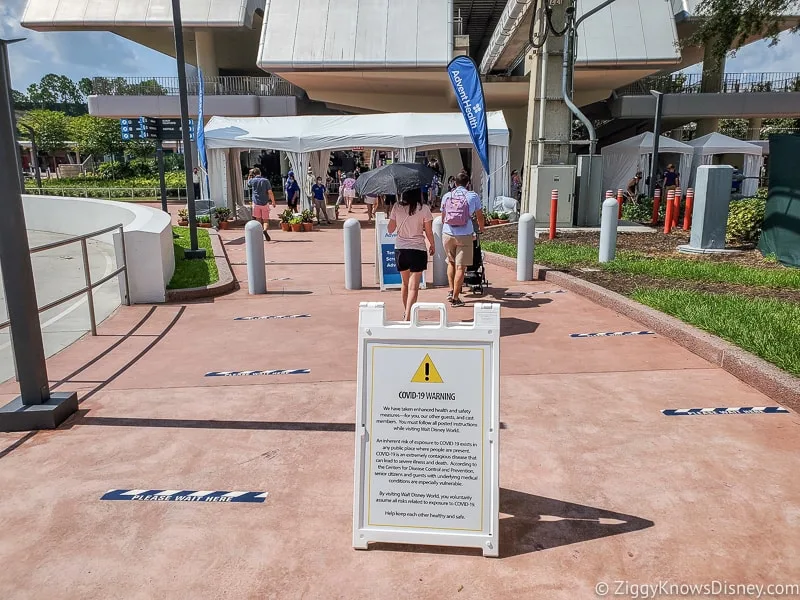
[(475, 275)]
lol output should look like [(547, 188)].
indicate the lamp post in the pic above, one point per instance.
[(35, 407), (656, 138), (194, 251)]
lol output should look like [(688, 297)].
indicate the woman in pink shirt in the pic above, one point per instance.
[(413, 222)]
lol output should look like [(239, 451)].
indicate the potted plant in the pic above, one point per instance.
[(183, 217), (308, 219), (285, 218), (223, 213), (296, 223), (204, 221), (502, 218), (493, 218)]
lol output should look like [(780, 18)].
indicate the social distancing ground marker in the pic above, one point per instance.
[(256, 373), (610, 334), (735, 410), (268, 317), (143, 495)]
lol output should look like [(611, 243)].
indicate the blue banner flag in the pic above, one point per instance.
[(467, 85), (201, 130)]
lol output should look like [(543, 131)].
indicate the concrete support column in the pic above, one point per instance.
[(555, 121), (754, 128), (517, 120), (713, 76), (206, 53)]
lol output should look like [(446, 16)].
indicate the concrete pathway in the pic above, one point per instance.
[(57, 273), (596, 485)]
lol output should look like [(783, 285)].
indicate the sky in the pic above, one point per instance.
[(91, 54)]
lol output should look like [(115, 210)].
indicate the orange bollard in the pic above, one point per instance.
[(656, 206), (676, 210), (620, 200), (687, 218), (553, 213), (670, 209)]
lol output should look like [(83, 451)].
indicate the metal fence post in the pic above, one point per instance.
[(87, 275), (125, 263), (439, 261)]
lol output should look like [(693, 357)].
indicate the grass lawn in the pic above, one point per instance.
[(767, 328), (193, 273), (631, 263)]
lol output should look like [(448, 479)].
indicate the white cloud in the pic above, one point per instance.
[(75, 54), (759, 57)]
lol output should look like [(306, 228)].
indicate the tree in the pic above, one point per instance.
[(62, 88), (40, 96), (726, 25), (735, 128), (51, 128), (95, 136), (18, 98), (86, 86)]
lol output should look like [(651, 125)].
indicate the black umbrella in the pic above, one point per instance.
[(394, 179)]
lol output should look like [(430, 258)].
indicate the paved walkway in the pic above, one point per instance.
[(596, 485)]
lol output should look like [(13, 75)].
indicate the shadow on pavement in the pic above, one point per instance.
[(538, 523), (83, 419)]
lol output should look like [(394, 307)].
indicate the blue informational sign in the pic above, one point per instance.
[(388, 275), (466, 80)]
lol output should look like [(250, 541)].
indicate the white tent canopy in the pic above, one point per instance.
[(622, 160), (706, 147), (310, 139)]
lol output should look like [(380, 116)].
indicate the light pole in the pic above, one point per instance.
[(194, 251), (656, 138), (36, 407)]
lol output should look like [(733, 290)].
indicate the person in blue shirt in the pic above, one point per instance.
[(318, 194), (458, 238), (292, 192)]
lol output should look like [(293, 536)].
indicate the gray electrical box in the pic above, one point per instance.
[(543, 179), (589, 198)]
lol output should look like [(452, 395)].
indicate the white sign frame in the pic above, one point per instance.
[(425, 337), (382, 236)]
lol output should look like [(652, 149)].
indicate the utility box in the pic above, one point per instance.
[(543, 179), (589, 199)]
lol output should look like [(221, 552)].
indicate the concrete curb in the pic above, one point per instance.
[(754, 371), (226, 283)]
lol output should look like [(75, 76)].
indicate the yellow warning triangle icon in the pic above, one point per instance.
[(427, 373)]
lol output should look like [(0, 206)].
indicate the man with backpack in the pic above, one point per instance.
[(458, 209)]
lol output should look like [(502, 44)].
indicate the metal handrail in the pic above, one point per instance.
[(731, 83), (226, 85), (90, 285)]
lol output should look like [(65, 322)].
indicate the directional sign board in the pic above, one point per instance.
[(388, 275), (427, 423), (148, 128)]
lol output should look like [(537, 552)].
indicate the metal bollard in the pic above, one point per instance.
[(608, 230), (352, 254), (620, 200), (670, 209), (676, 210), (256, 263), (553, 216), (526, 239), (656, 206), (439, 260), (687, 217)]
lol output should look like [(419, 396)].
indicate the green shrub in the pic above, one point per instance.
[(173, 162), (115, 170), (642, 212), (143, 167), (745, 219)]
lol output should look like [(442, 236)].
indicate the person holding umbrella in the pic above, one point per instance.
[(413, 222)]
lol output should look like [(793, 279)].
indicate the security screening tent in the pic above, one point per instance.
[(309, 140), (622, 160), (716, 144)]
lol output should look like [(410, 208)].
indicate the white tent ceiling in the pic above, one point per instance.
[(706, 147), (622, 160), (340, 132), (716, 143)]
